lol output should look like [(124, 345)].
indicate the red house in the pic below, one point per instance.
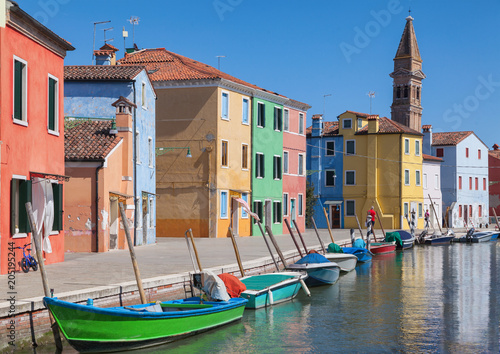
[(494, 177), (31, 132)]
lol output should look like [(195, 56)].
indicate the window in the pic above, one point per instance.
[(224, 153), (150, 152), (261, 115), (459, 211), (439, 152), (301, 207), (417, 147), (466, 152), (470, 183), (244, 214), (53, 104), (437, 184), (223, 204), (301, 123), (470, 211), (350, 208), (225, 106), (277, 212), (360, 123), (278, 119), (350, 178), (257, 209), (407, 146), (407, 177), (347, 123), (330, 148), (151, 217), (480, 210), (420, 210), (330, 178), (244, 113), (143, 95), (137, 147), (484, 184), (20, 89), (244, 156), (417, 178), (57, 193), (277, 167), (425, 180), (405, 209), (285, 204), (285, 161), (20, 195), (479, 154), (286, 119), (259, 165), (301, 165), (476, 183), (350, 147), (459, 182)]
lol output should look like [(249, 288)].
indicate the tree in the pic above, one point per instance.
[(311, 201)]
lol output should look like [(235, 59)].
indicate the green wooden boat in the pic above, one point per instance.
[(92, 329)]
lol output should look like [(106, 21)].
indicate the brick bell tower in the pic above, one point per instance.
[(407, 77)]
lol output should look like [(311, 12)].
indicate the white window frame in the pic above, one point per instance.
[(360, 123), (279, 165), (144, 102), (223, 92), (346, 120), (407, 146), (56, 104), (280, 129), (243, 110), (300, 204), (244, 214), (285, 204), (286, 120), (274, 212), (417, 147), (406, 209), (222, 141), (407, 171), (327, 150), (345, 177), (257, 163), (334, 178), (420, 211), (348, 153), (286, 162), (137, 147), (227, 204), (345, 212), (247, 159), (300, 165), (437, 181), (24, 119), (150, 152), (263, 120), (424, 180), (301, 124), (418, 181), (22, 178)]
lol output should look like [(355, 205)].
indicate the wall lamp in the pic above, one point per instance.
[(163, 150)]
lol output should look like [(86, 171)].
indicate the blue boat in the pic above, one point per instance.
[(362, 253), (319, 269), (482, 236), (407, 239), (495, 235)]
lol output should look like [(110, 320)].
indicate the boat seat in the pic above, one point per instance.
[(154, 308)]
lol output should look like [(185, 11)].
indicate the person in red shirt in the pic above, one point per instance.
[(372, 213)]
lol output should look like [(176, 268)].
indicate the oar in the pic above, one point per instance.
[(191, 252), (496, 218), (236, 251), (328, 224), (300, 236), (359, 226), (293, 238), (435, 214), (317, 234), (380, 222), (132, 255), (39, 255), (267, 244)]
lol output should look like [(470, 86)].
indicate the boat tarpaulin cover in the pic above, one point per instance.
[(334, 248), (213, 286), (359, 243), (234, 286), (312, 258), (393, 236)]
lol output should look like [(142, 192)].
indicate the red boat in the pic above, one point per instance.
[(382, 247)]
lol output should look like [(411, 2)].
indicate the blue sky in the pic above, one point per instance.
[(308, 49)]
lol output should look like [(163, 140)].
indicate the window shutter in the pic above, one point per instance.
[(13, 211), (57, 190), (52, 104), (24, 197), (18, 90), (263, 170)]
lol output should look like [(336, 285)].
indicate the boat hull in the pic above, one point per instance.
[(270, 289), (93, 329), (407, 240), (318, 273), (345, 261), (440, 240), (382, 248), (362, 254)]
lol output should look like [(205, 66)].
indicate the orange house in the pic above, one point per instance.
[(31, 133)]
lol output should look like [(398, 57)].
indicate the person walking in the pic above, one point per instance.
[(372, 214), (426, 218)]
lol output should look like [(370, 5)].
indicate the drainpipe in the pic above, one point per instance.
[(135, 166), (401, 208), (97, 206)]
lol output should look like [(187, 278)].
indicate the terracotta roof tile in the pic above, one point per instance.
[(495, 152), (388, 126), (431, 158), (101, 72), (89, 140), (329, 129), (359, 114), (449, 138)]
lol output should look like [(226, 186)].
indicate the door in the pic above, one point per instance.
[(268, 213), (113, 223), (466, 215), (234, 216), (292, 212), (335, 216)]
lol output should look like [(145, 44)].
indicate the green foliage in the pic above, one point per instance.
[(311, 201)]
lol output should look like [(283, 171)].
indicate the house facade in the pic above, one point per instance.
[(294, 164), (90, 93), (464, 176), (431, 185), (31, 133), (494, 179), (325, 171)]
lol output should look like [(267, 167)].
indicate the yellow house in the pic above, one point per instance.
[(382, 167)]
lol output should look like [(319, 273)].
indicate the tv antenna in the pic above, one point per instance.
[(134, 20), (371, 94), (324, 102), (107, 40), (93, 43), (218, 60)]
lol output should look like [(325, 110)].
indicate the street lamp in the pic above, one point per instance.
[(162, 150)]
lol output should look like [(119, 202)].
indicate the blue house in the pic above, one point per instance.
[(89, 93), (464, 176), (324, 164)]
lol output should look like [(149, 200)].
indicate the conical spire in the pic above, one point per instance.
[(408, 46)]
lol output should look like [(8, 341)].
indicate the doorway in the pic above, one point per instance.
[(113, 223), (268, 211), (234, 217), (466, 215), (335, 216), (292, 213)]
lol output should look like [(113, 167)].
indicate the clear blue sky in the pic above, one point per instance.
[(306, 49)]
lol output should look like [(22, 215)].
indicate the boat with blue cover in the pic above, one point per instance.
[(319, 269), (362, 254), (404, 239)]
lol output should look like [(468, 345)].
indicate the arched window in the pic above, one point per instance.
[(418, 93), (398, 92), (406, 92)]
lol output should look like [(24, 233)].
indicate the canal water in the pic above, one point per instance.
[(428, 299)]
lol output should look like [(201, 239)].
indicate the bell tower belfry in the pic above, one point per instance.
[(407, 77)]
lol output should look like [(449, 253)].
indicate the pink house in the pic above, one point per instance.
[(294, 164)]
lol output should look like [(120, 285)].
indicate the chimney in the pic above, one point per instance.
[(317, 125), (124, 129), (427, 139), (106, 55), (495, 147), (373, 123)]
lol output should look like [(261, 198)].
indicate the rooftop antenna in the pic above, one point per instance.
[(125, 35), (371, 94), (134, 20), (107, 40), (218, 60), (324, 102), (93, 43)]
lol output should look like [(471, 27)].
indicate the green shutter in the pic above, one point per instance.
[(13, 211), (18, 90), (24, 197), (52, 104), (262, 164), (57, 190)]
